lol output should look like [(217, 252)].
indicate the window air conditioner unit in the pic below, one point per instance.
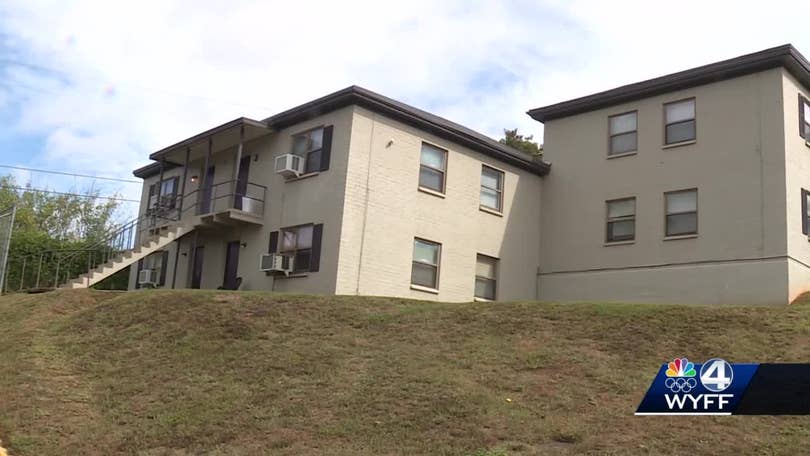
[(276, 262), (289, 165), (147, 277)]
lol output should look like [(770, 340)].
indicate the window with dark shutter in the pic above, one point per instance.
[(311, 146), (804, 117), (296, 242)]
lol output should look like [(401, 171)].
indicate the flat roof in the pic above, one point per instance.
[(785, 56), (355, 95)]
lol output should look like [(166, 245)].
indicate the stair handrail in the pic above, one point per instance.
[(123, 237)]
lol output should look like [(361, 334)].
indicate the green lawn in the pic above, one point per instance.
[(243, 373)]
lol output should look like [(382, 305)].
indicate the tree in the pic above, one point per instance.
[(58, 224), (523, 143)]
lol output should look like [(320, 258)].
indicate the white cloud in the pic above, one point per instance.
[(131, 78)]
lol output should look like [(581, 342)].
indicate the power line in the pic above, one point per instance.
[(26, 189), (129, 181)]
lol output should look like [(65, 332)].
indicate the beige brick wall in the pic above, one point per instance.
[(797, 165), (384, 211)]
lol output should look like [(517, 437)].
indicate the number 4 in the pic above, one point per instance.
[(716, 375)]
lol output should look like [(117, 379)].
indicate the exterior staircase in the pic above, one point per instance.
[(150, 245)]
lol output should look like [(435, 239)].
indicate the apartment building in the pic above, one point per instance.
[(353, 193), (686, 188), (689, 188)]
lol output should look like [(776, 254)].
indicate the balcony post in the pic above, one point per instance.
[(159, 188), (237, 166), (183, 185), (204, 180)]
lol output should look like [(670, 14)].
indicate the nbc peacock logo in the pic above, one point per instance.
[(681, 376)]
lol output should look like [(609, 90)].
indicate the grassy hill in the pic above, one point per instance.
[(224, 373)]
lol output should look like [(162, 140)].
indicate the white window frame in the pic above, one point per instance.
[(493, 280), (436, 266), (442, 172), (501, 180)]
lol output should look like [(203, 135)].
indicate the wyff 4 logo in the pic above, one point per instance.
[(684, 388), (716, 375)]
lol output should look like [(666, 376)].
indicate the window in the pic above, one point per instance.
[(491, 188), (680, 121), (297, 242), (621, 220), (432, 167), (309, 145), (167, 187), (623, 133), (681, 210), (804, 117), (168, 193), (425, 268), (486, 277)]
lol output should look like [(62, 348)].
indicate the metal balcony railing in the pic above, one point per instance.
[(229, 195)]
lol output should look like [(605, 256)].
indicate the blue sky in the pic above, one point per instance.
[(94, 87)]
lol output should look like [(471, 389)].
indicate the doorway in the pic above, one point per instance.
[(231, 265), (196, 271), (205, 192)]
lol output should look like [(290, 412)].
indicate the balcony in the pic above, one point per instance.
[(227, 203)]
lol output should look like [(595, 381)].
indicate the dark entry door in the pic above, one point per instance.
[(231, 265), (196, 272), (241, 182), (205, 193)]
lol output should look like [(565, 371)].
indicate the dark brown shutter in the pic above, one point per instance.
[(326, 149), (138, 274), (273, 248), (804, 211), (802, 102), (163, 267), (315, 260)]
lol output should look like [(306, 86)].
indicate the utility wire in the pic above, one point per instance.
[(26, 189), (129, 181)]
